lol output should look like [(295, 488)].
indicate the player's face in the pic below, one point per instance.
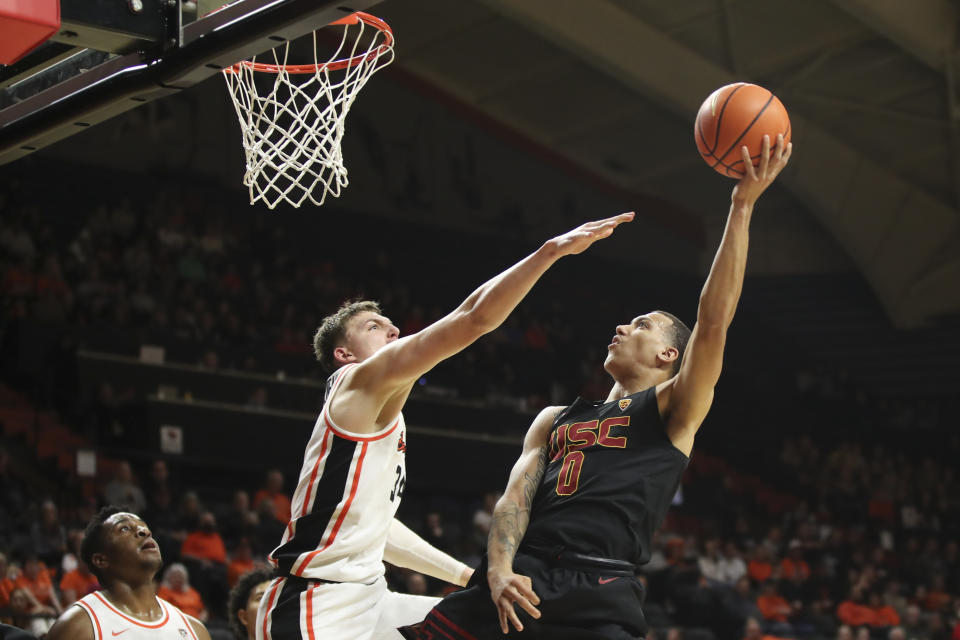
[(248, 615), (130, 546), (367, 333), (638, 343)]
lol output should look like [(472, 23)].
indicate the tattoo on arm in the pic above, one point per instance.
[(510, 521)]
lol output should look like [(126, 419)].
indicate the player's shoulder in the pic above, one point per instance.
[(73, 624), (198, 627)]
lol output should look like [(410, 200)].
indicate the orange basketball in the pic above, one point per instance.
[(736, 115)]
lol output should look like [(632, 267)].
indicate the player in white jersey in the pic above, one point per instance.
[(342, 526), (121, 552)]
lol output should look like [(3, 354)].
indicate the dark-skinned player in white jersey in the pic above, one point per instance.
[(595, 479), (120, 550), (330, 559)]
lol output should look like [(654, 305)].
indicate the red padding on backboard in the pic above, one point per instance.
[(25, 25)]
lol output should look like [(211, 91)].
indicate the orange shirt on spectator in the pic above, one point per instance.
[(795, 568), (854, 614), (281, 504), (41, 587), (237, 568), (6, 588), (80, 583), (759, 571), (188, 601), (773, 607), (936, 600), (885, 616), (207, 546)]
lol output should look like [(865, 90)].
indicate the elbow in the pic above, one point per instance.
[(477, 322)]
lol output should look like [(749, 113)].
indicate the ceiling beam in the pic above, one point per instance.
[(927, 29), (892, 229)]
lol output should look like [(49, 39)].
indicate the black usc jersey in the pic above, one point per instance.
[(611, 475)]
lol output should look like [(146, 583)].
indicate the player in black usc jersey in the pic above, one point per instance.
[(595, 479)]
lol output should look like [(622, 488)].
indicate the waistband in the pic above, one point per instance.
[(567, 559)]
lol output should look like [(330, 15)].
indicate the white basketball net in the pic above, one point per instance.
[(292, 132)]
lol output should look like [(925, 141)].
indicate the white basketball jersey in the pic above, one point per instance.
[(110, 623), (349, 490)]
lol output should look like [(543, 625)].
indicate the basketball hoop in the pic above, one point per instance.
[(293, 128)]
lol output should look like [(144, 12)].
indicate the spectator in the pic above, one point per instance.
[(436, 533), (774, 608), (883, 614), (123, 491), (77, 583), (188, 518), (710, 561), (753, 631), (241, 562), (937, 598), (793, 566), (483, 517), (176, 589), (48, 539), (914, 626), (29, 614), (205, 544), (269, 530), (35, 578), (238, 521), (760, 568), (7, 584), (205, 555), (273, 491), (731, 565), (244, 602), (854, 611)]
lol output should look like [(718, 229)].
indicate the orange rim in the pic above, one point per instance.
[(334, 65)]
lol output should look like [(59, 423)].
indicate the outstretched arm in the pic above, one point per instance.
[(510, 519), (690, 393), (407, 549), (400, 363)]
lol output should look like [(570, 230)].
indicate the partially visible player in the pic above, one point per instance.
[(244, 601), (330, 559), (120, 550), (595, 479)]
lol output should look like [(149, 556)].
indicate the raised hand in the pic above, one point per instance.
[(757, 179), (577, 240), (508, 588)]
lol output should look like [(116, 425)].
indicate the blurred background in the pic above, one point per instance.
[(156, 329)]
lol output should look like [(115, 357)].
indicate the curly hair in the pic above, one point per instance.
[(333, 330), (241, 593), (93, 540)]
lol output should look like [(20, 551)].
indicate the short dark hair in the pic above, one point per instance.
[(241, 593), (333, 330), (93, 539), (678, 334)]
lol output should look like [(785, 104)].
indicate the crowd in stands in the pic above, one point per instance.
[(812, 552), (828, 539)]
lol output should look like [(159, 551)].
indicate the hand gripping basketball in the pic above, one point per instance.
[(507, 589), (756, 181)]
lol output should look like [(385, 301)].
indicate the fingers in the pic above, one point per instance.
[(747, 163), (764, 157), (502, 614)]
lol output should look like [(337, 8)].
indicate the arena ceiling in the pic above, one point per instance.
[(610, 86)]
